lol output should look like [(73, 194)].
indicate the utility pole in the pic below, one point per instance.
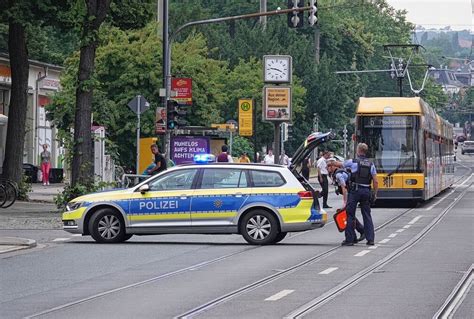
[(315, 129), (159, 16), (317, 35), (276, 150), (138, 133), (345, 140), (263, 19), (166, 73)]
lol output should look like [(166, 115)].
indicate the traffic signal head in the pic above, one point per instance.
[(295, 19), (290, 131), (175, 115)]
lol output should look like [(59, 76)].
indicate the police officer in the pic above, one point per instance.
[(363, 173), (341, 180)]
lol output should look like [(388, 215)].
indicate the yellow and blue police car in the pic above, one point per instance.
[(261, 202)]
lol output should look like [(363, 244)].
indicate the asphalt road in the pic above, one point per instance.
[(420, 256)]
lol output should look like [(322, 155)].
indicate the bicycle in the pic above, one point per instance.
[(11, 191), (3, 195)]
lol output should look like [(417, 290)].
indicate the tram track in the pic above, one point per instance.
[(233, 294), (262, 282), (314, 304), (457, 296)]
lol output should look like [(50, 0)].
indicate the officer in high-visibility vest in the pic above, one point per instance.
[(341, 179), (363, 173)]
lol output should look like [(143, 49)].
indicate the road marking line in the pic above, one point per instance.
[(76, 235), (384, 241), (407, 226), (467, 179), (362, 253), (373, 247), (414, 220), (279, 295), (392, 235), (62, 239), (439, 201), (328, 271), (400, 230)]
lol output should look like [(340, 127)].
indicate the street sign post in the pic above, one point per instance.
[(138, 105), (246, 117)]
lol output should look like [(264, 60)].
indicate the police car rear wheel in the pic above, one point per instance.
[(107, 226), (259, 227)]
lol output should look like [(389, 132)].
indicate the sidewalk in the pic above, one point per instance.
[(9, 244), (46, 194)]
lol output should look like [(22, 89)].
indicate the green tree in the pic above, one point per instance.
[(23, 18)]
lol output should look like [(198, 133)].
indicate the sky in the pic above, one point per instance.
[(438, 13)]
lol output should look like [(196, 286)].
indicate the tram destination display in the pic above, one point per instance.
[(388, 121)]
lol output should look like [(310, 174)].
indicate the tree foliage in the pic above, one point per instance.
[(224, 61)]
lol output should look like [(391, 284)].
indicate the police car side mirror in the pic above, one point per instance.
[(144, 188)]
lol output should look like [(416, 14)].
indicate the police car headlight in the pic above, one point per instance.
[(73, 205)]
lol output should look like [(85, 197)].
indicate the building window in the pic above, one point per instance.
[(3, 101)]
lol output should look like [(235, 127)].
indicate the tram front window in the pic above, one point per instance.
[(392, 142)]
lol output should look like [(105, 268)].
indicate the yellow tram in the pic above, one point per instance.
[(410, 145)]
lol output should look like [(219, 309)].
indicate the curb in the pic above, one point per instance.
[(9, 244)]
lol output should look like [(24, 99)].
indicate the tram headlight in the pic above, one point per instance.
[(411, 181)]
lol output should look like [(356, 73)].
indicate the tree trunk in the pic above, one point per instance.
[(13, 163), (82, 162)]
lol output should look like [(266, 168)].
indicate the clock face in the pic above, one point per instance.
[(277, 69)]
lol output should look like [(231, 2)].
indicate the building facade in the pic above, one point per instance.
[(43, 82)]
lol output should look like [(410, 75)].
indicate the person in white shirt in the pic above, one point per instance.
[(284, 159), (323, 177), (269, 158)]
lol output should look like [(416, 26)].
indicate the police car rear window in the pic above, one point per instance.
[(266, 179)]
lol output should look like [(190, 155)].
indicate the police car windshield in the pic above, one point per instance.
[(392, 142)]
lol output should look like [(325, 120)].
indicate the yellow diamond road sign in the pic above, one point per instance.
[(245, 117)]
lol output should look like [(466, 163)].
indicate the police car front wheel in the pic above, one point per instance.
[(259, 227), (107, 226)]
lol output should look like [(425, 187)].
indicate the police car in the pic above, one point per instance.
[(261, 202)]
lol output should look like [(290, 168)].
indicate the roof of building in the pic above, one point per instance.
[(446, 77), (5, 57)]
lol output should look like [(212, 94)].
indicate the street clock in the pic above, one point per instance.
[(277, 69)]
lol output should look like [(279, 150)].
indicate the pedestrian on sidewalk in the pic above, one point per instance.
[(323, 177), (45, 164), (305, 169), (269, 158), (224, 157), (284, 159), (160, 161), (244, 158)]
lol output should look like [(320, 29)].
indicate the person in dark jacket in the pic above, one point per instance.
[(224, 156)]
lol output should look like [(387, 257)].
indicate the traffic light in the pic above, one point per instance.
[(175, 115), (289, 131), (313, 12), (295, 19)]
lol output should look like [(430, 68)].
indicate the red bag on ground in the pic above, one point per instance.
[(340, 218)]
